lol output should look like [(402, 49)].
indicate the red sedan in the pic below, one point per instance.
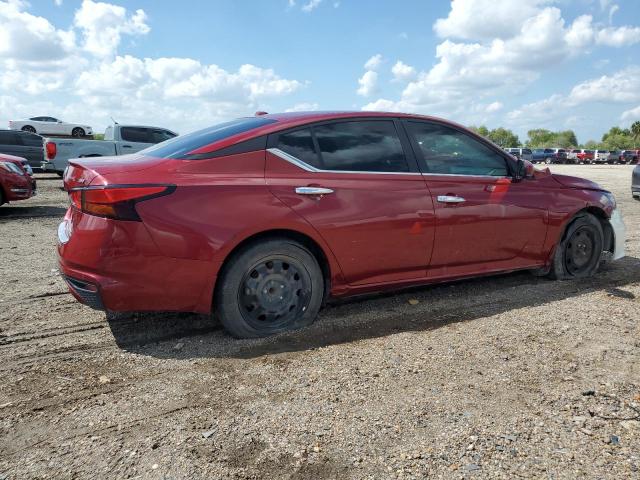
[(16, 179), (260, 220)]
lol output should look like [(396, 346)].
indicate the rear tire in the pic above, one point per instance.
[(578, 253), (78, 132), (28, 128), (269, 287)]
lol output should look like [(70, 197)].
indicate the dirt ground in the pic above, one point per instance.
[(502, 377)]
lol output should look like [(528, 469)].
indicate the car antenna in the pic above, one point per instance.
[(114, 122)]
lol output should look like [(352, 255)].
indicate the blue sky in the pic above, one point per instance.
[(184, 65)]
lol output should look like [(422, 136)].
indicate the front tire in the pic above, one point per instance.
[(269, 287), (78, 132), (578, 253)]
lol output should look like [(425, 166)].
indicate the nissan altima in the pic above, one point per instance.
[(259, 220)]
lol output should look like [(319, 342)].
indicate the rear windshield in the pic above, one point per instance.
[(182, 145)]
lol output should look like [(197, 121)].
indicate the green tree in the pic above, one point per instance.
[(635, 133), (481, 130), (592, 145), (503, 137)]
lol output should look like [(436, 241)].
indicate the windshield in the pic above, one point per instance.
[(182, 145)]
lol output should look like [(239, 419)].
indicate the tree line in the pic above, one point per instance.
[(615, 139)]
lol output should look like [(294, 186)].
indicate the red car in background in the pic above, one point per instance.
[(260, 220), (586, 156), (16, 179)]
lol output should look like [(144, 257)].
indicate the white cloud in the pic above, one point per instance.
[(612, 11), (303, 107), (403, 72), (623, 86), (368, 83), (103, 25), (28, 38), (59, 78), (506, 46), (632, 114), (57, 2), (494, 107), (311, 5), (618, 37), (485, 19), (374, 62)]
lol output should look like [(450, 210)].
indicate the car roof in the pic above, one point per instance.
[(283, 121)]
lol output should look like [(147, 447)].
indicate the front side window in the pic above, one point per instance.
[(300, 145), (451, 152), (361, 146)]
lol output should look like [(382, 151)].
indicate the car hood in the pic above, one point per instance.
[(577, 182)]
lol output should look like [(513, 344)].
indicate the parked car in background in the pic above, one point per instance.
[(635, 182), (118, 140), (630, 156), (615, 156), (261, 219), (601, 156), (561, 155), (523, 153), (547, 155), (16, 179), (586, 156), (50, 126), (23, 144), (572, 155)]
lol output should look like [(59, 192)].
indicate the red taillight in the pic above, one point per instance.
[(117, 202), (51, 149)]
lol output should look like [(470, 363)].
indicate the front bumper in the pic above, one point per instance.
[(619, 234)]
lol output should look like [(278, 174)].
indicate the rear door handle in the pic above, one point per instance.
[(313, 191), (450, 199), (126, 146)]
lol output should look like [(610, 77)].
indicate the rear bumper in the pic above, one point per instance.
[(115, 266), (619, 234)]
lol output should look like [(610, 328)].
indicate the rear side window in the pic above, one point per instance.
[(361, 146), (31, 140), (300, 145), (135, 134), (184, 144), (8, 138), (451, 152)]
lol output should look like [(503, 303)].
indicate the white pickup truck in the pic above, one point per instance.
[(118, 140)]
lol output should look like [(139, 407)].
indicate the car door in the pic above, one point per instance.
[(484, 221), (32, 148), (360, 188), (134, 139)]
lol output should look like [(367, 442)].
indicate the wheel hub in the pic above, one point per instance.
[(579, 250), (274, 291)]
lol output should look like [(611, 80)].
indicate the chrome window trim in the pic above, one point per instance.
[(431, 174), (305, 166), (309, 168)]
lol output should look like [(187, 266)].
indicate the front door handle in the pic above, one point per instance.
[(450, 199), (126, 146), (313, 191)]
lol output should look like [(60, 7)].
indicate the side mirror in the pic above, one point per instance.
[(524, 169)]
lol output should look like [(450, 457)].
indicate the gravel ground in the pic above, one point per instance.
[(502, 377)]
